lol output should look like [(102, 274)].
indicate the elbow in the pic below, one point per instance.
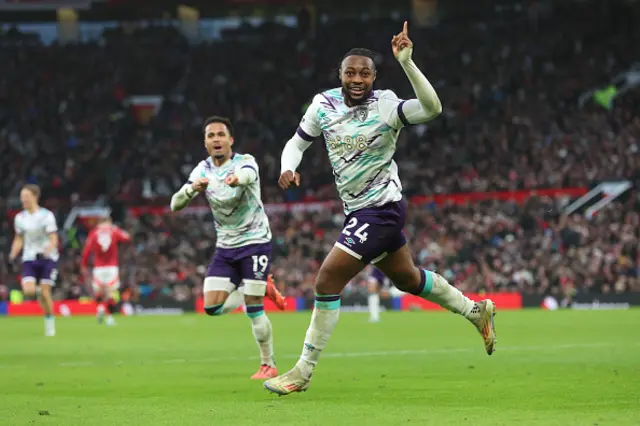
[(174, 204), (436, 107)]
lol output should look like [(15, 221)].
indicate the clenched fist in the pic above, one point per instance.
[(289, 178), (200, 184)]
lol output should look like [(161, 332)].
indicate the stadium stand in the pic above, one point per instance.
[(511, 122)]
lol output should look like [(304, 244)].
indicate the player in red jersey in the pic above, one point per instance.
[(103, 242)]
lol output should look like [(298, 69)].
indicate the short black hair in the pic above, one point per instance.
[(361, 51), (217, 119)]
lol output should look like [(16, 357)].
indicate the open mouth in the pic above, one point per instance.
[(356, 91)]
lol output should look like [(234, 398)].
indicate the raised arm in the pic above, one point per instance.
[(427, 105)]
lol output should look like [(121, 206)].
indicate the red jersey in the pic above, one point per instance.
[(102, 242)]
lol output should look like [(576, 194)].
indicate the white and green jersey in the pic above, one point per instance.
[(238, 213), (361, 142)]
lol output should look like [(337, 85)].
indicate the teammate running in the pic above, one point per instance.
[(231, 183), (37, 236)]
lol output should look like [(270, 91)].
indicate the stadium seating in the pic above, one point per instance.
[(511, 121)]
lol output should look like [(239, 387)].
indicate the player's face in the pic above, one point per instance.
[(28, 199), (357, 74), (218, 141)]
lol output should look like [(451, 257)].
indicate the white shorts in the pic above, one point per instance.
[(106, 278)]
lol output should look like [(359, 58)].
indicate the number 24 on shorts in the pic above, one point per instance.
[(359, 233)]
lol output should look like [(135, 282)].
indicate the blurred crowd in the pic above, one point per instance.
[(511, 120), (482, 247), (509, 88)]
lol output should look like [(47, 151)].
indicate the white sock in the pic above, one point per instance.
[(234, 300), (262, 332), (49, 323), (323, 320), (438, 290), (374, 306), (101, 309)]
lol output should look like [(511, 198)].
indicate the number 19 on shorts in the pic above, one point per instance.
[(260, 265)]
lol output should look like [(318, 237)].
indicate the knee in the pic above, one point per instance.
[(408, 280), (326, 282), (45, 292), (214, 310), (323, 286)]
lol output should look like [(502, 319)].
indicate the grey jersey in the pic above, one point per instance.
[(35, 229), (361, 142), (238, 213)]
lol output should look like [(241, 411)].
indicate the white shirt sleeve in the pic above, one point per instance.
[(196, 173), (50, 225), (307, 131), (17, 225), (309, 127), (399, 113), (248, 171)]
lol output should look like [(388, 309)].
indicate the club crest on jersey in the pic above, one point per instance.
[(362, 114)]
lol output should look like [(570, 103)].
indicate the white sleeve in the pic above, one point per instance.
[(17, 225), (50, 223), (307, 131), (184, 195), (309, 127), (248, 171), (196, 173), (399, 113), (292, 153)]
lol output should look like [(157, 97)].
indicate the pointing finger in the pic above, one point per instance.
[(405, 29)]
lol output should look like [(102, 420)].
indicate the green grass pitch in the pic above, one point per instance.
[(550, 368)]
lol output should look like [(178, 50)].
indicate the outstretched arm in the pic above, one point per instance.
[(427, 105)]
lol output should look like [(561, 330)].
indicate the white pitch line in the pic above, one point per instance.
[(358, 354), (347, 354)]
